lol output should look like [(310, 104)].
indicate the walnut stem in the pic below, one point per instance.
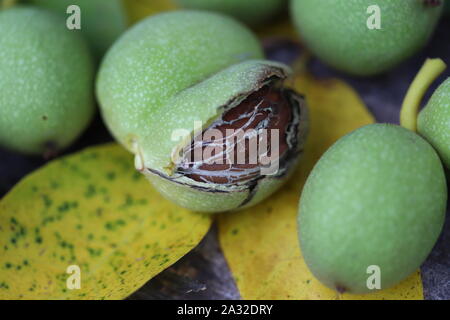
[(430, 70)]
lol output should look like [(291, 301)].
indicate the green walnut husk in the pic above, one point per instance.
[(377, 197), (336, 31), (46, 81), (252, 12), (433, 122), (177, 68)]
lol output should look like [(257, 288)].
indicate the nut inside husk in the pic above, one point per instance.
[(235, 139), (259, 133)]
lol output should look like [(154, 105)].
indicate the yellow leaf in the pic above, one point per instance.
[(261, 244), (281, 28), (93, 210), (139, 9)]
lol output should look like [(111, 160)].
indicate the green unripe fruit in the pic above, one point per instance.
[(253, 12), (102, 21), (376, 197), (175, 69), (46, 81), (434, 121), (338, 33)]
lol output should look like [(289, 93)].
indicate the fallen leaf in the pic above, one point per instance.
[(282, 28), (140, 9), (261, 244), (95, 211)]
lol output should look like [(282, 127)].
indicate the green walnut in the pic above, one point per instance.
[(433, 122), (375, 202), (46, 82), (345, 34), (102, 21), (173, 79), (252, 12)]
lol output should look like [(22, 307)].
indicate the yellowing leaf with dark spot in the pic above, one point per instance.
[(140, 9), (93, 210), (261, 244)]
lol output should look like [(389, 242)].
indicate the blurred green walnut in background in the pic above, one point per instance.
[(102, 21), (176, 69), (433, 122), (46, 81), (338, 33), (252, 12)]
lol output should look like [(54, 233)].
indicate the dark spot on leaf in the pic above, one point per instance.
[(90, 191), (136, 176), (54, 185), (47, 201), (4, 285), (111, 175), (99, 212), (65, 206), (95, 252)]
